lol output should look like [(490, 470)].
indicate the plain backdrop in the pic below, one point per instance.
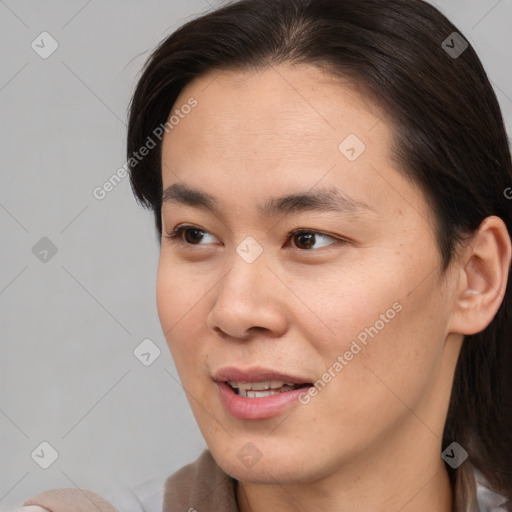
[(77, 280)]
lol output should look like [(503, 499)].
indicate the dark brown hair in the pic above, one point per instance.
[(450, 139)]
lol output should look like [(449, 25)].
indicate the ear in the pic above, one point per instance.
[(483, 271)]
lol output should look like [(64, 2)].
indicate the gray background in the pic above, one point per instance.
[(68, 375)]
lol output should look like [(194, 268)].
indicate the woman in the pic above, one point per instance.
[(329, 181)]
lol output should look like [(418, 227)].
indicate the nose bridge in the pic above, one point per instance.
[(248, 268), (246, 297)]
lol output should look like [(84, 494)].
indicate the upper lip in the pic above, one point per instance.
[(255, 374)]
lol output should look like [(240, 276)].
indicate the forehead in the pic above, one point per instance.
[(286, 97), (297, 110), (254, 133)]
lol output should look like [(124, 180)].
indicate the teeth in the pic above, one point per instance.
[(263, 393), (276, 384), (254, 386), (259, 394), (261, 389), (259, 386)]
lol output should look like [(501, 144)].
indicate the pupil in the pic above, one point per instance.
[(307, 240), (196, 235)]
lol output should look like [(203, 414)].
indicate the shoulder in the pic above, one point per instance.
[(197, 485), (145, 497), (64, 500)]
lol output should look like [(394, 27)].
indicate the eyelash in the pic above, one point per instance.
[(176, 235)]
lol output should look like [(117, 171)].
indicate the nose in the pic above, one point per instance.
[(249, 299)]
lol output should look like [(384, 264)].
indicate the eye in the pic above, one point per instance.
[(188, 234), (302, 238), (306, 240)]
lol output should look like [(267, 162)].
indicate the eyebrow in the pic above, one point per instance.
[(322, 200)]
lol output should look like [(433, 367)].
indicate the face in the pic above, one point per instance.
[(302, 296)]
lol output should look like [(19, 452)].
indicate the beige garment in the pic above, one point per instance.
[(197, 487), (200, 486), (71, 500)]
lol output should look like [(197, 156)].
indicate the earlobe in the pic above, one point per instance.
[(484, 269)]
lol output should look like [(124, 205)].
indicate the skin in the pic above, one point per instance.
[(371, 439)]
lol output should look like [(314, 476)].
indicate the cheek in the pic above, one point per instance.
[(347, 302), (387, 315), (390, 352), (181, 299)]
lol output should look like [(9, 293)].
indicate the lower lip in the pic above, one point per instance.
[(245, 408)]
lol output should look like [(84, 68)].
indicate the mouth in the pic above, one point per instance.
[(264, 388), (258, 393)]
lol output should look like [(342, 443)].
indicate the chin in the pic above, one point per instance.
[(264, 474), (268, 469)]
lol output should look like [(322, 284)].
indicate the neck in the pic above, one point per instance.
[(425, 491)]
